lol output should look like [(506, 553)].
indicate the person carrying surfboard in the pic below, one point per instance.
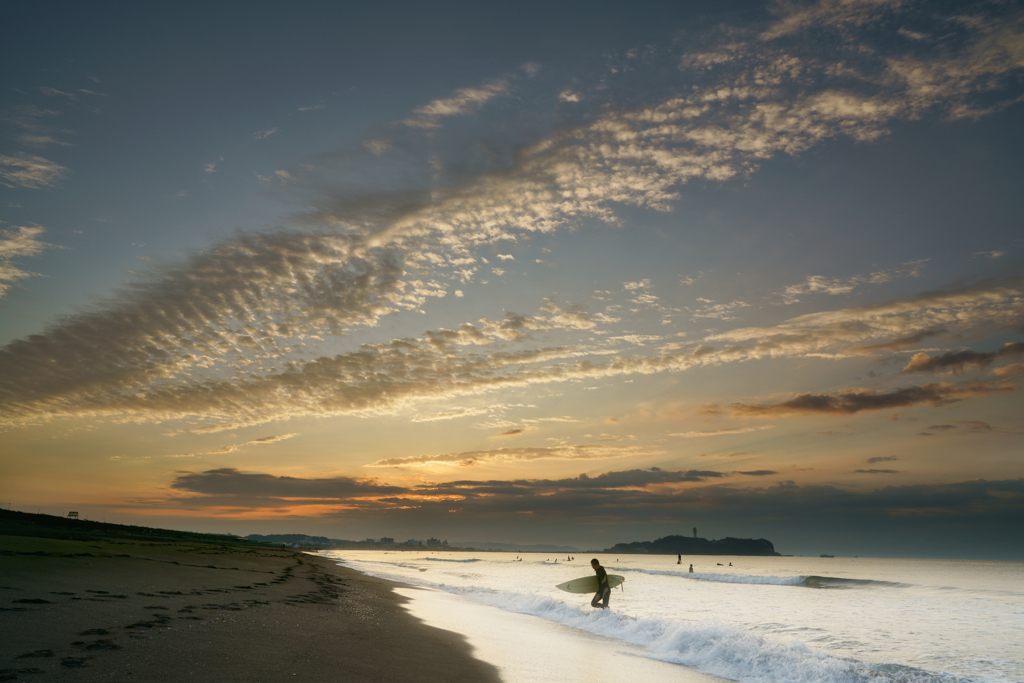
[(604, 591)]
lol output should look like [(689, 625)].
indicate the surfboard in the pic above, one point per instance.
[(588, 584)]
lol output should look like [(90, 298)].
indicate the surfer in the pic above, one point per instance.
[(604, 591)]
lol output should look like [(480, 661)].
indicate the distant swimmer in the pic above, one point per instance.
[(720, 564), (691, 568), (604, 591), (679, 559), (730, 564)]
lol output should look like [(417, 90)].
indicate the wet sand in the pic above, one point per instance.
[(132, 610)]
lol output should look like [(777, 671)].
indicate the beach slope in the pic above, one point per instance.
[(132, 609)]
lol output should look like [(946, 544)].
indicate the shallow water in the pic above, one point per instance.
[(769, 619)]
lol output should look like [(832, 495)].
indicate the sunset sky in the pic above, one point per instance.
[(576, 273)]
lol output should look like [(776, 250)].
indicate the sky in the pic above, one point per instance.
[(566, 273)]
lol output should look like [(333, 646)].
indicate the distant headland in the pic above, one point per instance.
[(686, 545)]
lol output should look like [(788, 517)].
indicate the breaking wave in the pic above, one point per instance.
[(442, 559), (804, 581), (711, 647)]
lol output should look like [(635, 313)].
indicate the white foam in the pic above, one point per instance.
[(721, 578), (445, 559), (712, 647)]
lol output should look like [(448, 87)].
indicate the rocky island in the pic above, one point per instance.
[(686, 545)]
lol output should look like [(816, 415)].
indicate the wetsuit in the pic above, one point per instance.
[(604, 591)]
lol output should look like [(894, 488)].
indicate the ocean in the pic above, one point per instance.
[(763, 619)]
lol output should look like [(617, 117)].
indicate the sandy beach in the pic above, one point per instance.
[(126, 609)]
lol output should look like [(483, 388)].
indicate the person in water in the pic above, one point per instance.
[(604, 591), (691, 568)]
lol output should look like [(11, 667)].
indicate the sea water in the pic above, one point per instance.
[(763, 619)]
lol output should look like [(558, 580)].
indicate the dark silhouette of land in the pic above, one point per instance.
[(13, 523), (686, 545)]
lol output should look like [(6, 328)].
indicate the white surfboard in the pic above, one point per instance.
[(588, 584)]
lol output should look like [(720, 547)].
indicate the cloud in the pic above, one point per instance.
[(882, 458), (627, 500), (1009, 370), (991, 254), (131, 360), (899, 342), (465, 335), (33, 125), (221, 335), (854, 401), (233, 448), (716, 310), (260, 134), (721, 432), (471, 458), (991, 57), (14, 243), (464, 101), (958, 361), (27, 170), (51, 92), (255, 442), (451, 414), (758, 473), (975, 426), (993, 304), (876, 471), (819, 284), (835, 14), (232, 482)]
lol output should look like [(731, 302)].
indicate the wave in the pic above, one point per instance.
[(442, 559), (804, 581), (836, 582), (711, 647)]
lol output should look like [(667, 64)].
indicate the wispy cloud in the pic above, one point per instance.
[(993, 304), (721, 432), (856, 400), (14, 243), (464, 101), (27, 170), (260, 134), (958, 361), (1009, 370), (220, 336), (34, 126), (53, 92), (819, 284), (471, 458), (233, 448), (834, 14)]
